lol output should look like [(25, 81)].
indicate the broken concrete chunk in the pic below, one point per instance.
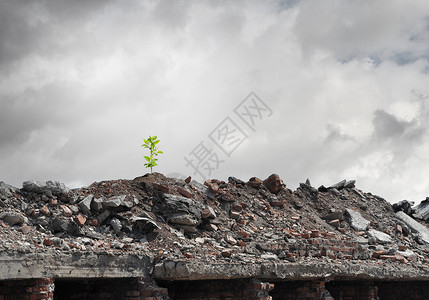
[(183, 219), (338, 185), (12, 218), (349, 184), (380, 237), (53, 187), (357, 192), (422, 210), (97, 204), (200, 187), (144, 224), (335, 192), (208, 213), (405, 206), (7, 190), (421, 230), (116, 225), (114, 201), (357, 222), (103, 216), (85, 204)]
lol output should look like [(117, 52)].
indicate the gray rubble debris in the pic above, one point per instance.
[(338, 185), (405, 206), (114, 201), (421, 230), (183, 219), (7, 190), (380, 237), (85, 205), (116, 224), (337, 215), (349, 184), (357, 222), (12, 218), (48, 187), (199, 186), (422, 210), (97, 204)]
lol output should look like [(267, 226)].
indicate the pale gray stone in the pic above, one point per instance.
[(380, 237), (357, 222), (421, 230), (97, 204), (114, 201), (116, 224), (85, 204)]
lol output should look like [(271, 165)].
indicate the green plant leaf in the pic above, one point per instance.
[(150, 143)]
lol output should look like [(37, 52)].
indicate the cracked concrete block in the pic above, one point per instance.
[(357, 222)]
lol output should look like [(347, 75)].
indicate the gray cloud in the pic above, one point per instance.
[(388, 127), (55, 105), (84, 82), (334, 133)]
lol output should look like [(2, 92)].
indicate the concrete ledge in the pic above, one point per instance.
[(274, 271), (76, 265)]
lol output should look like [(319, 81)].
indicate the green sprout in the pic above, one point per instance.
[(150, 144)]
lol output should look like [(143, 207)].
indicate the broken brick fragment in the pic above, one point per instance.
[(80, 219), (274, 184)]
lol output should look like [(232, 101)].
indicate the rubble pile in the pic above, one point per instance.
[(184, 224)]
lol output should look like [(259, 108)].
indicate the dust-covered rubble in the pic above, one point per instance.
[(188, 229)]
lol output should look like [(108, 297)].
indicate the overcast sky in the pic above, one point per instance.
[(325, 90)]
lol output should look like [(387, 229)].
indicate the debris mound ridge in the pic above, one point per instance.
[(219, 230)]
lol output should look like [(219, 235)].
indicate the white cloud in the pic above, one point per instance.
[(346, 80)]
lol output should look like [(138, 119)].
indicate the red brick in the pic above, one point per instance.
[(184, 192), (243, 233), (66, 210), (45, 210), (47, 242), (378, 253), (391, 257), (80, 219), (161, 187)]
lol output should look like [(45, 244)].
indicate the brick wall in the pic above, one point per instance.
[(234, 289), (109, 289), (300, 290), (29, 289), (317, 245)]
